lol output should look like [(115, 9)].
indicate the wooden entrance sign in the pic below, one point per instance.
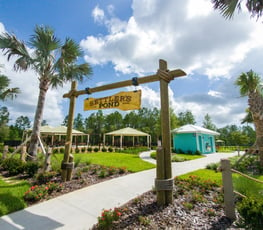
[(164, 180)]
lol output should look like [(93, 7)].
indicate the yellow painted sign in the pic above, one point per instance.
[(122, 100)]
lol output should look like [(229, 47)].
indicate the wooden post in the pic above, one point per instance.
[(5, 151), (160, 175), (70, 169), (165, 124), (23, 153), (228, 189), (65, 163), (47, 163)]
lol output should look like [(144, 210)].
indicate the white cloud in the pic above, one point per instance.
[(190, 35), (98, 14)]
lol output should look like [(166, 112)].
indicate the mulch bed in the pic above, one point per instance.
[(144, 213)]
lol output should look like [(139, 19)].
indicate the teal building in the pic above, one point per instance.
[(192, 138)]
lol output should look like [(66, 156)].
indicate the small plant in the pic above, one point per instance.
[(55, 150), (77, 150), (31, 168), (83, 149), (105, 221), (250, 210), (112, 170), (210, 212), (122, 170), (62, 150), (38, 192), (13, 166), (110, 149), (96, 149), (104, 149), (196, 197), (89, 149), (35, 193), (188, 205), (143, 220), (45, 177), (102, 173), (212, 166)]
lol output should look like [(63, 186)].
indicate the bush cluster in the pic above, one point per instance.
[(107, 217), (38, 192), (251, 212), (16, 166)]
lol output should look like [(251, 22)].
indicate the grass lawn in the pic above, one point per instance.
[(241, 184), (182, 157), (205, 174), (11, 196), (132, 162)]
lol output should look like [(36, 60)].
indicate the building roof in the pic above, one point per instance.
[(59, 130), (194, 129), (127, 132)]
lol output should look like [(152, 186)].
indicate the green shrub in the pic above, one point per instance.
[(77, 150), (104, 149), (251, 212), (107, 217), (89, 149), (45, 177), (31, 168), (83, 149), (96, 149), (13, 166), (11, 149), (212, 166), (197, 152), (55, 150), (177, 159), (110, 149), (62, 150)]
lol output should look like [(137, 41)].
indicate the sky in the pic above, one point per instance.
[(125, 39)]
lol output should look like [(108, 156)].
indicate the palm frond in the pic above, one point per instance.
[(248, 82), (11, 46), (10, 93), (227, 7)]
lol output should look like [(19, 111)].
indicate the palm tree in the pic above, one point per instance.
[(54, 63), (6, 92), (228, 7), (250, 85)]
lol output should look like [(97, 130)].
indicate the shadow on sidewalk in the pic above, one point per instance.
[(27, 221)]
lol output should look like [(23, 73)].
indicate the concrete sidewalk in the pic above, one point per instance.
[(79, 210)]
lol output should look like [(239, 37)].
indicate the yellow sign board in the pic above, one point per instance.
[(122, 100)]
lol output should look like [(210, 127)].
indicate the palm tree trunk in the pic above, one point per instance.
[(259, 138), (32, 151)]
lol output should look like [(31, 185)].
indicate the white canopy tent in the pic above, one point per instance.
[(127, 132), (58, 131)]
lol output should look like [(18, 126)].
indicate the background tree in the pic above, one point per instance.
[(228, 7), (21, 124), (250, 85), (113, 121), (78, 123), (186, 118), (53, 62), (208, 124), (65, 121), (4, 119)]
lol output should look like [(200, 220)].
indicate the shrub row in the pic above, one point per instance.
[(16, 166)]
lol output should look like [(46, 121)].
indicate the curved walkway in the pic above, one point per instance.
[(79, 210)]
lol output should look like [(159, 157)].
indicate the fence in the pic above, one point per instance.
[(228, 190)]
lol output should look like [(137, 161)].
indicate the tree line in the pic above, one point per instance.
[(146, 120)]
